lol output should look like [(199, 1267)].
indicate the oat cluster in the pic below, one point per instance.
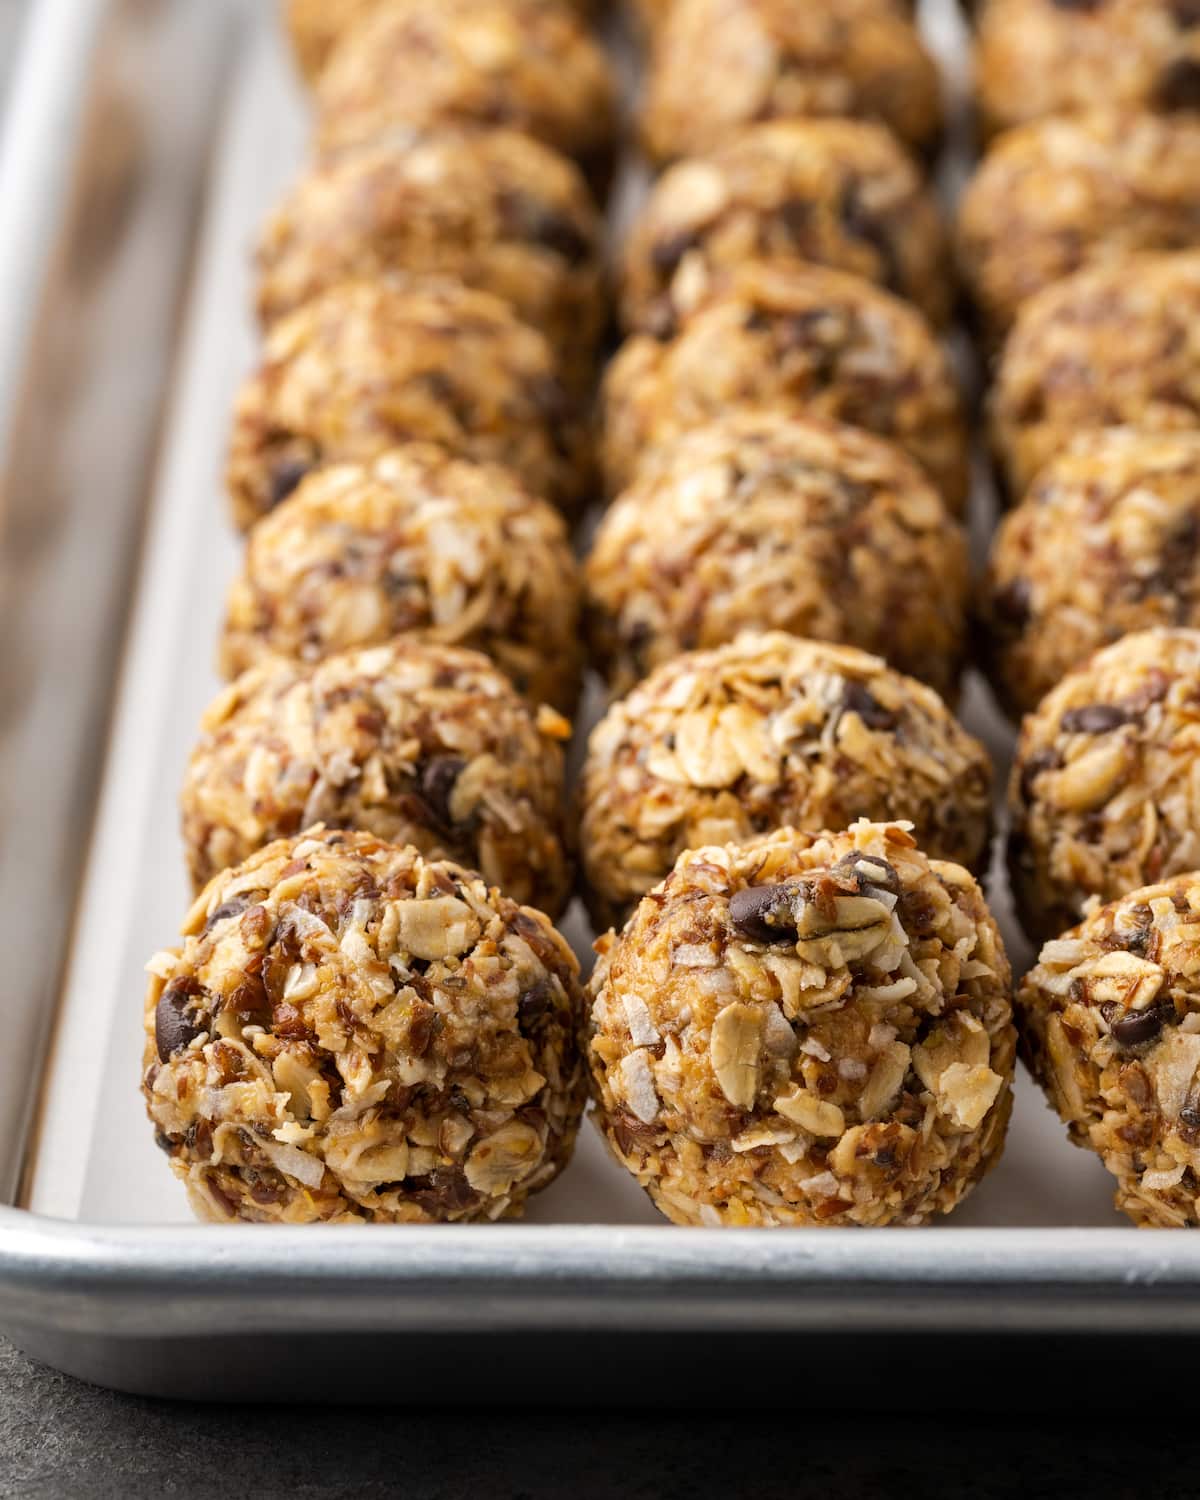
[(771, 732), (799, 342), (418, 744), (352, 1032), (1110, 1022), (839, 193), (1035, 58), (374, 363), (808, 1028), (497, 211), (765, 521), (1123, 506), (720, 64), (416, 544), (1105, 789)]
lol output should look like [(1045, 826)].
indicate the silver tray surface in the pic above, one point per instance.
[(147, 136)]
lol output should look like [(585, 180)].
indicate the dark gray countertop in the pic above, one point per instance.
[(60, 1438)]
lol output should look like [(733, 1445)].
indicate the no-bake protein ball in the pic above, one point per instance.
[(1110, 1028), (1107, 542), (373, 363), (812, 1028), (763, 521), (1105, 790), (417, 543), (419, 744), (841, 193), (771, 732), (1060, 194), (1115, 345), (1043, 57), (529, 65), (720, 64), (495, 210), (803, 342), (352, 1032), (316, 26)]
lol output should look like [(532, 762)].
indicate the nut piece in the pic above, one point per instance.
[(1115, 345), (766, 521), (1043, 57), (751, 60), (1110, 1028), (370, 365), (529, 65), (1105, 789), (495, 210), (419, 744), (1124, 506), (886, 969), (769, 732), (416, 544), (799, 342), (1063, 193), (369, 1035), (839, 193)]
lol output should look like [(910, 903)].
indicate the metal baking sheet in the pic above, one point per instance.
[(151, 136)]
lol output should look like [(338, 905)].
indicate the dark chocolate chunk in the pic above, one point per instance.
[(764, 913), (860, 700), (1141, 1026), (1095, 718), (286, 476), (533, 220), (872, 871), (176, 1023), (1179, 85), (1011, 606), (226, 910), (438, 780)]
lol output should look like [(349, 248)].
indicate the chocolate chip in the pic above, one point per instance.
[(176, 1024), (533, 220), (444, 1190), (286, 476), (859, 222), (860, 700), (1186, 13), (1080, 5), (1141, 1026), (1038, 763), (438, 780), (1012, 606), (1095, 718), (763, 913), (226, 910), (667, 253), (534, 1003), (1179, 85), (872, 871)]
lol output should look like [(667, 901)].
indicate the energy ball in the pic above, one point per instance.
[(417, 544), (1110, 1028), (528, 65), (1057, 195), (1106, 542), (811, 1028), (1115, 346), (374, 363), (1043, 57), (763, 521), (316, 26), (771, 732), (495, 210), (1105, 789), (721, 64), (352, 1032), (804, 342), (418, 744), (839, 193)]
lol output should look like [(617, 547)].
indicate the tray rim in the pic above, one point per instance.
[(197, 1282)]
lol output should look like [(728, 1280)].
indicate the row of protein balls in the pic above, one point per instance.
[(358, 1028)]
